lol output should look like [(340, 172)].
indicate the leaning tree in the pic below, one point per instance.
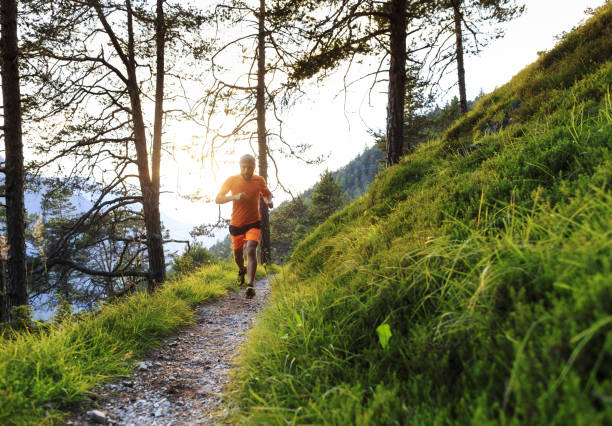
[(98, 68)]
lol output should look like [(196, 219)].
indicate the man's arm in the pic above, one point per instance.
[(222, 198), (267, 195), (268, 200)]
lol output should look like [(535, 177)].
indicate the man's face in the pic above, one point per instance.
[(246, 169)]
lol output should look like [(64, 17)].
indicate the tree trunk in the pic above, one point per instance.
[(160, 41), (260, 106), (3, 301), (157, 261), (150, 190), (156, 249), (17, 291), (397, 83), (460, 67)]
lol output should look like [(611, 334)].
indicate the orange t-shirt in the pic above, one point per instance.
[(245, 211)]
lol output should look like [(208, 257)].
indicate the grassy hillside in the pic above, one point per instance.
[(472, 283)]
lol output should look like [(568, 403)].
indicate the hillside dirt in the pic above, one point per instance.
[(182, 382)]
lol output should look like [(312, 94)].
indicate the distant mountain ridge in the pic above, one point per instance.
[(357, 175)]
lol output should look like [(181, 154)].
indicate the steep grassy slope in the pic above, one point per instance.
[(487, 255)]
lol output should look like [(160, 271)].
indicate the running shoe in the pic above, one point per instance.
[(250, 291), (240, 279)]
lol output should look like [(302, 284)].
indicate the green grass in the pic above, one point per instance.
[(46, 372), (491, 267)]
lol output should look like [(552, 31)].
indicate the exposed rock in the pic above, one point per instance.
[(96, 416), (205, 390)]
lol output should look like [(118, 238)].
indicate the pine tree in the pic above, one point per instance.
[(327, 197), (478, 17), (257, 90), (16, 293), (284, 222), (336, 32)]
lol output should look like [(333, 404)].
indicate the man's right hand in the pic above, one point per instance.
[(222, 199)]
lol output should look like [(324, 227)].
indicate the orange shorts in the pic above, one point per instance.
[(239, 241)]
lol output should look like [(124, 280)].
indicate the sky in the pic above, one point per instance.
[(336, 123)]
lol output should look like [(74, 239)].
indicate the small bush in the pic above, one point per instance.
[(194, 258)]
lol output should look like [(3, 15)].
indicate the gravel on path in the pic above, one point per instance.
[(182, 382)]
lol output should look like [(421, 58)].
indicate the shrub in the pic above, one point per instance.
[(194, 258)]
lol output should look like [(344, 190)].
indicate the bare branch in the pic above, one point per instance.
[(111, 274)]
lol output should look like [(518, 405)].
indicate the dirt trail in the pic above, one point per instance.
[(182, 382)]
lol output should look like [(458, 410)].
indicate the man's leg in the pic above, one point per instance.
[(239, 257), (251, 249), (252, 236)]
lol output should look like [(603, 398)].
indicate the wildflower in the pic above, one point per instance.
[(37, 233)]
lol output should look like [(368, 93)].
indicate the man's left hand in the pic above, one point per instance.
[(268, 201)]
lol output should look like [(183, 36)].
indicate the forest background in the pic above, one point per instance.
[(53, 86), (470, 282)]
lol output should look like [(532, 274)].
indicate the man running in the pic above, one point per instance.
[(245, 226)]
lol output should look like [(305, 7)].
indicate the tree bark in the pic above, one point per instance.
[(260, 106), (17, 291), (150, 192), (3, 301), (156, 250), (397, 83), (160, 41), (459, 48)]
